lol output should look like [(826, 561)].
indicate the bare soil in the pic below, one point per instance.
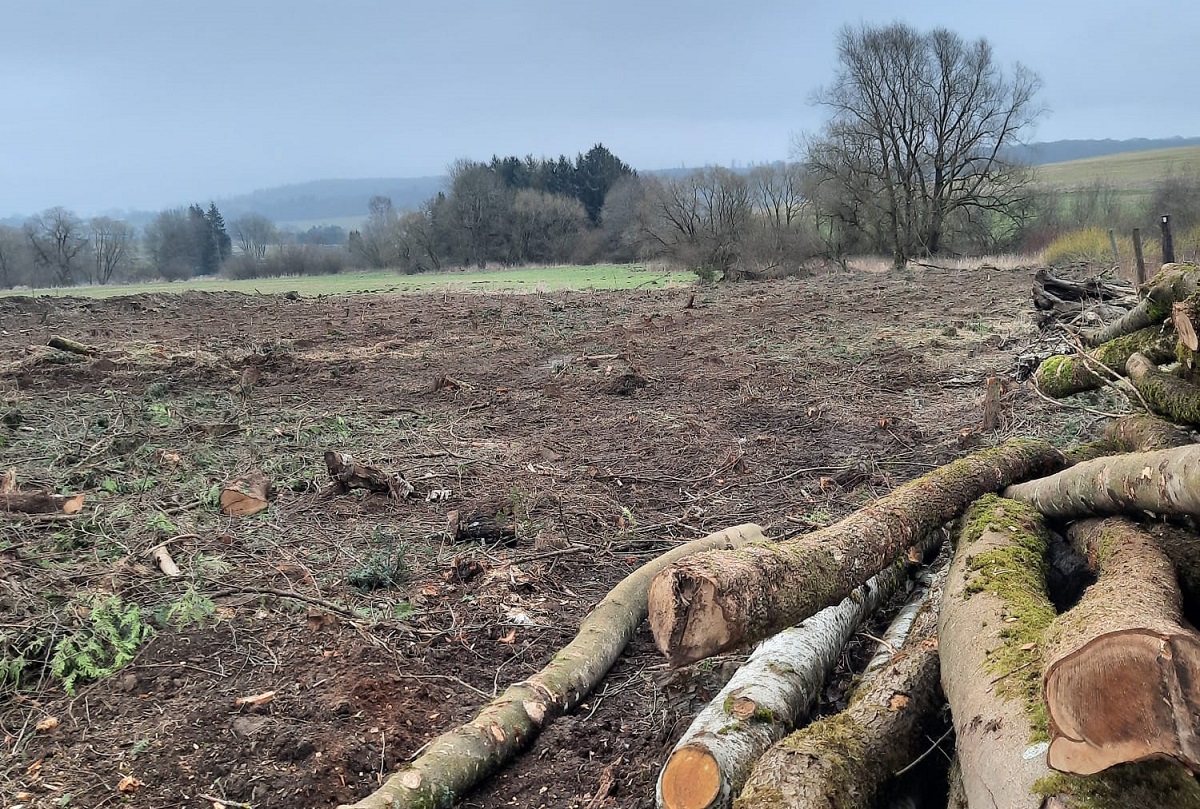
[(607, 426)]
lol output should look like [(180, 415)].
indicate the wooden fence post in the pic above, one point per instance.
[(1168, 244), (1112, 240), (1137, 253)]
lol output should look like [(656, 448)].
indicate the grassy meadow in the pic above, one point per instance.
[(528, 279), (1130, 171)]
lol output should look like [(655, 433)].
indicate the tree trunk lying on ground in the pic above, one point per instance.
[(1167, 395), (345, 474), (1139, 432), (1173, 283), (897, 631), (41, 503), (992, 676), (1122, 679), (843, 760), (70, 346), (1090, 289), (765, 699), (460, 758), (718, 601), (1182, 546), (246, 495), (1064, 375), (994, 612), (1164, 481)]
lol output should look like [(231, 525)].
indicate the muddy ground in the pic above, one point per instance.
[(605, 426)]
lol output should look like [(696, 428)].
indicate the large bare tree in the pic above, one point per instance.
[(112, 248), (255, 234), (917, 135), (57, 240)]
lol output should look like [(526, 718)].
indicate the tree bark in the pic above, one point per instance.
[(1182, 546), (1173, 283), (994, 612), (1122, 676), (1062, 376), (897, 631), (766, 698), (718, 601), (246, 495), (462, 757), (1164, 481), (1139, 432), (1186, 316), (345, 474), (41, 503), (842, 761), (1167, 395)]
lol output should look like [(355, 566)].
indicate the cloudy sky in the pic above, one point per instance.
[(143, 104)]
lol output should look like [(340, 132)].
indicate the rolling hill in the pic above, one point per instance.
[(1130, 171)]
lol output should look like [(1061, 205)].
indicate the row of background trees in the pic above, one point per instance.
[(912, 162)]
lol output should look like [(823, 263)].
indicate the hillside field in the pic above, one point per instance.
[(1131, 171)]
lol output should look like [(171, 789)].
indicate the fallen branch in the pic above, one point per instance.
[(842, 761), (1161, 482), (717, 601), (345, 474), (1121, 669), (41, 503), (70, 346), (460, 758), (775, 688)]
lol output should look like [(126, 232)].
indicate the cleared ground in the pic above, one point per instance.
[(608, 425), (528, 279)]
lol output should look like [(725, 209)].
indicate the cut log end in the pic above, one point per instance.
[(1126, 696), (246, 495), (687, 623), (691, 779)]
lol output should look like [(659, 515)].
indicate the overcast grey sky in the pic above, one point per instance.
[(144, 104)]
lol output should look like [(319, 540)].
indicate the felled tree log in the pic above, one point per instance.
[(1174, 282), (843, 760), (994, 612), (70, 346), (1063, 375), (246, 495), (345, 474), (462, 757), (775, 689), (1182, 546), (897, 631), (718, 601), (1122, 679), (1186, 316), (1164, 481), (1139, 432), (41, 502), (1167, 395), (1090, 289)]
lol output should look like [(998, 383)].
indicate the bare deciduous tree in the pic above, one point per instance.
[(919, 123), (255, 234), (57, 240), (700, 219), (112, 248), (14, 258)]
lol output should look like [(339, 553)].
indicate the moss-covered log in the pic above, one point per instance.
[(1173, 283), (459, 759), (718, 601), (1164, 481), (994, 612), (1122, 680), (1138, 432), (1062, 376), (842, 761), (1167, 395), (765, 699), (1182, 546)]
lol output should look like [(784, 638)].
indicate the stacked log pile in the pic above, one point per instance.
[(1055, 627)]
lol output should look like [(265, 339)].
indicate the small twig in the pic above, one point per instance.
[(1011, 672), (925, 755), (225, 802)]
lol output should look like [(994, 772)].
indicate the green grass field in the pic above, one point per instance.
[(1131, 171), (534, 279)]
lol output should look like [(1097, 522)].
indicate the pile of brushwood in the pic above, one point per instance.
[(1053, 624)]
